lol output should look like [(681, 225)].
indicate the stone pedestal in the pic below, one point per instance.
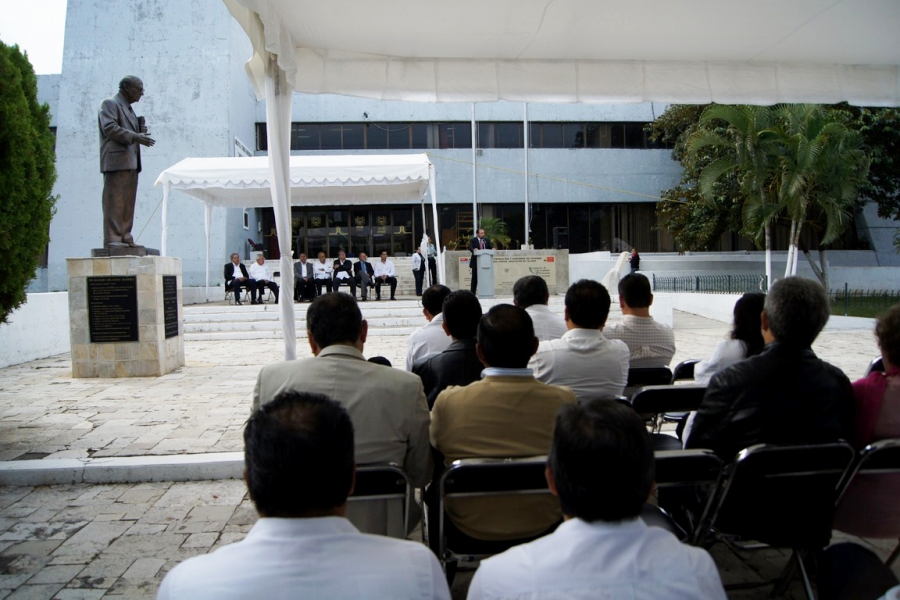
[(125, 315)]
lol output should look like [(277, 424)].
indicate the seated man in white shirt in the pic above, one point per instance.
[(385, 273), (601, 467), (259, 272), (583, 359), (299, 469), (322, 271), (531, 293), (651, 344), (430, 339)]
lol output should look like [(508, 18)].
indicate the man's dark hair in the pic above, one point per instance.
[(602, 461), (433, 298), (506, 336), (887, 330), (298, 453), (462, 312), (588, 304), (797, 309), (529, 290), (334, 318), (634, 288)]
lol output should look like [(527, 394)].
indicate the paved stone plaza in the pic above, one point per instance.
[(119, 539)]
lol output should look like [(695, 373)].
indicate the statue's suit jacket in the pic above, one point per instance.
[(118, 125), (387, 406)]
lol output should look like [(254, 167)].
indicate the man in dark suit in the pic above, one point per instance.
[(479, 242), (236, 277), (122, 133), (459, 363), (304, 287), (343, 274), (364, 273)]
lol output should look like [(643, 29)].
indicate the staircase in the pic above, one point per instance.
[(221, 321)]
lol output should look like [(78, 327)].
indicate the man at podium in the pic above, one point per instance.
[(479, 242)]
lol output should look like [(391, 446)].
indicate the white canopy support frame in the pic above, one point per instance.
[(240, 182), (691, 51)]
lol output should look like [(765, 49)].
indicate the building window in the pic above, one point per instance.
[(500, 134), (625, 135)]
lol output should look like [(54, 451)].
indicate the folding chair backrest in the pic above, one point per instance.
[(782, 495), (684, 370), (483, 477), (697, 470), (649, 376), (869, 497), (473, 477), (656, 399), (388, 491), (877, 364)]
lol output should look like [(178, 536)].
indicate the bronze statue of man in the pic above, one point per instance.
[(122, 133)]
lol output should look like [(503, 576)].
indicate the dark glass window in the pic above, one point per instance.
[(398, 136), (634, 135), (616, 135), (305, 136), (573, 135), (419, 134), (500, 134), (454, 135), (376, 137)]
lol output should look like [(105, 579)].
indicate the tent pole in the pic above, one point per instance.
[(278, 127), (527, 142), (474, 177), (434, 213), (165, 221), (207, 218)]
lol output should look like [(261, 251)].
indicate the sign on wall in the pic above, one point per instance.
[(510, 268)]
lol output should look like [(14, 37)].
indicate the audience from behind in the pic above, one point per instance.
[(867, 508), (387, 405), (299, 470), (785, 394), (459, 363), (430, 339), (600, 466), (651, 344), (744, 340), (583, 359), (531, 293), (508, 413)]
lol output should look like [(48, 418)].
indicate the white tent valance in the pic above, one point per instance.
[(241, 182), (690, 51)]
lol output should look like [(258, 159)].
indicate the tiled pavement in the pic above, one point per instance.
[(92, 541)]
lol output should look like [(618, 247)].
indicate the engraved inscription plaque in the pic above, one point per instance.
[(112, 309), (170, 304)]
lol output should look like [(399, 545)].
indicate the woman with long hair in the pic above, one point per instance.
[(744, 340)]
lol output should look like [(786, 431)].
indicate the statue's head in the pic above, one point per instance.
[(132, 88)]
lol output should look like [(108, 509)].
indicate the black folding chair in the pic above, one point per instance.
[(877, 364), (639, 377), (383, 482), (697, 471), (684, 370), (782, 496), (657, 400), (878, 465), (485, 477)]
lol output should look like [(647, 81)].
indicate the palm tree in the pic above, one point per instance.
[(495, 230), (821, 165), (743, 149)]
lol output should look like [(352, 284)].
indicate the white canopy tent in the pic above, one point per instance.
[(242, 182), (690, 51)]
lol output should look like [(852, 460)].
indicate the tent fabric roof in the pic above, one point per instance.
[(344, 179), (692, 51)]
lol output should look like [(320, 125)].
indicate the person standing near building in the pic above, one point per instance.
[(432, 262), (122, 133), (418, 267), (635, 260)]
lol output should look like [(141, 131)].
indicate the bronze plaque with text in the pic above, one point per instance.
[(112, 309), (170, 304)]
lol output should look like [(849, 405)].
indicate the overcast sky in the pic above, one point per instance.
[(38, 27)]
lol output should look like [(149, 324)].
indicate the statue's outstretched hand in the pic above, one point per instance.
[(143, 139)]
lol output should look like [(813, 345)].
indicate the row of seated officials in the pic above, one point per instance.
[(600, 464)]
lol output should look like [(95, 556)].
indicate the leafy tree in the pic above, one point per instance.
[(27, 174)]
